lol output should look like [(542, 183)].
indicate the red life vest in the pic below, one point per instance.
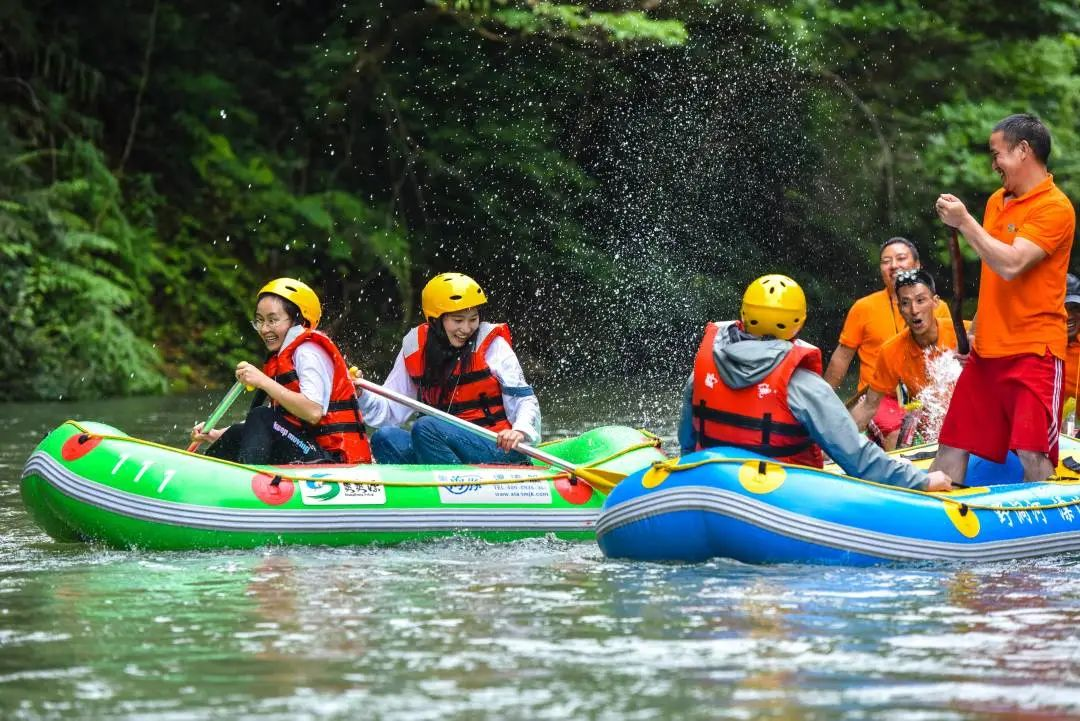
[(756, 418), (341, 430), (474, 394)]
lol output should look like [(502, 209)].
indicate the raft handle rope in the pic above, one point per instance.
[(654, 442), (552, 475), (672, 465)]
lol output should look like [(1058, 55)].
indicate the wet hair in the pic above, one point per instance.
[(914, 276), (440, 357), (903, 241), (1025, 126), (291, 309)]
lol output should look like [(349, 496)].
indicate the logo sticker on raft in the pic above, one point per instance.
[(465, 488), (317, 493)]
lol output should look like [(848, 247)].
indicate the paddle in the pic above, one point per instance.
[(956, 307), (218, 412), (599, 479)]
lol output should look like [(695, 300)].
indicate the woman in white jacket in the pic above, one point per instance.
[(460, 365)]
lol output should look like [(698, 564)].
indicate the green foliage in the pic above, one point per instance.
[(72, 282), (909, 92), (613, 172), (582, 23)]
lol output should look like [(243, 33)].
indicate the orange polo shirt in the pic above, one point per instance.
[(901, 360), (1070, 384), (1027, 314), (872, 320)]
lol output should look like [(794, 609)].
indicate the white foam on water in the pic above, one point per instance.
[(942, 370)]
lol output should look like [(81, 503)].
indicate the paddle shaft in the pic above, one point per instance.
[(218, 412), (956, 308), (463, 424)]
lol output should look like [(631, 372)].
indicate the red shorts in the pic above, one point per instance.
[(1006, 404), (889, 415)]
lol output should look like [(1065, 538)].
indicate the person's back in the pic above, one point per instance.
[(748, 357), (740, 394)]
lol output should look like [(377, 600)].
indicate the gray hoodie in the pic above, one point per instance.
[(743, 360)]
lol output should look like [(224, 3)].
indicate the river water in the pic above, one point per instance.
[(537, 629)]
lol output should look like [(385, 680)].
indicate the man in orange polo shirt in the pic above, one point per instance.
[(1008, 396), (902, 359), (872, 320)]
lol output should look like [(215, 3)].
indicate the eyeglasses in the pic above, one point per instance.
[(273, 320)]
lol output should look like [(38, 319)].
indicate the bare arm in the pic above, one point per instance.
[(865, 409), (838, 365), (298, 404), (1006, 260)]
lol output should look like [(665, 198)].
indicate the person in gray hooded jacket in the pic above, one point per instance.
[(758, 363)]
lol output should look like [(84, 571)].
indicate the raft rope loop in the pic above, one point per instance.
[(673, 465), (552, 475)]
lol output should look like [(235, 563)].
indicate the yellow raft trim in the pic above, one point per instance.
[(761, 477), (963, 518), (674, 465)]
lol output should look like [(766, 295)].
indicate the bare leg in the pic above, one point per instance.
[(954, 462), (891, 439), (1037, 466)]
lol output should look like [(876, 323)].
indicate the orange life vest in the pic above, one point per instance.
[(474, 395), (341, 430), (756, 418)]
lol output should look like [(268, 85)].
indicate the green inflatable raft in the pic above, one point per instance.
[(90, 482)]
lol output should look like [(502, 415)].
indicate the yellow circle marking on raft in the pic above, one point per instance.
[(761, 477), (963, 518), (656, 475)]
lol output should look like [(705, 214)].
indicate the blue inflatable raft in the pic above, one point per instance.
[(729, 503)]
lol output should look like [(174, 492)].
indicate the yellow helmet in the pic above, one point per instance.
[(299, 293), (449, 292), (773, 305)]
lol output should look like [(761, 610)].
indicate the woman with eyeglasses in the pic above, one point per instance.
[(312, 415)]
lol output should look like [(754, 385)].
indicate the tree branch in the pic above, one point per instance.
[(143, 79), (886, 151)]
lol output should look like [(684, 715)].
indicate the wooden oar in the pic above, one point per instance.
[(218, 412), (599, 479), (956, 307)]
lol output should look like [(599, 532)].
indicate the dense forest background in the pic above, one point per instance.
[(612, 172)]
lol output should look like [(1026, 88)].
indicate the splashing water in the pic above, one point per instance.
[(942, 370)]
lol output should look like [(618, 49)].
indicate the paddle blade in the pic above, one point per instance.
[(956, 308), (599, 479)]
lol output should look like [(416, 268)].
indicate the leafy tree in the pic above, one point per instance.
[(613, 171)]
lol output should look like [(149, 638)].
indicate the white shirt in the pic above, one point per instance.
[(519, 400), (314, 368)]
